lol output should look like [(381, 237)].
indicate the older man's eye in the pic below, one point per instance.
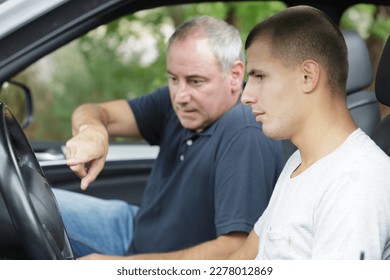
[(172, 79), (196, 81)]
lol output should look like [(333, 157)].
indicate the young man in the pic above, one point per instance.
[(215, 171), (332, 200)]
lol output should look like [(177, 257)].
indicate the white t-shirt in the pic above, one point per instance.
[(338, 208)]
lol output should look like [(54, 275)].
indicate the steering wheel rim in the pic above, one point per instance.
[(27, 195)]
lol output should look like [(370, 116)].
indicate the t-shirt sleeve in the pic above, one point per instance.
[(350, 218), (150, 112)]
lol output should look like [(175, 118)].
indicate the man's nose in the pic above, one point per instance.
[(247, 97), (183, 93)]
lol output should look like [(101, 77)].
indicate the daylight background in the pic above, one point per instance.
[(126, 58)]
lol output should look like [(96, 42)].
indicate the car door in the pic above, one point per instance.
[(40, 28)]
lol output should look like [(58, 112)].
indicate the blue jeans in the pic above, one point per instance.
[(96, 225)]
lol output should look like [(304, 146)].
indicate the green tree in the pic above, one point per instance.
[(126, 58)]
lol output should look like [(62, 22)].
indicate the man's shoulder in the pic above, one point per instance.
[(364, 150), (157, 97), (239, 114), (237, 120), (364, 163)]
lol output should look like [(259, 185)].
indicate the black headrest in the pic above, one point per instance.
[(360, 72), (382, 82)]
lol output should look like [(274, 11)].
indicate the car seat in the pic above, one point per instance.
[(361, 103), (381, 134)]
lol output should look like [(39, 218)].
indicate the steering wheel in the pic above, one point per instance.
[(30, 217)]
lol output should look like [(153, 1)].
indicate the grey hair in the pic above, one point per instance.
[(224, 39)]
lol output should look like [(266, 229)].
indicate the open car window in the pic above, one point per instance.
[(126, 58)]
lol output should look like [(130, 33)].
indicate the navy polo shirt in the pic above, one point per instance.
[(202, 184)]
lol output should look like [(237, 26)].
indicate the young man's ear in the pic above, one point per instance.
[(310, 75)]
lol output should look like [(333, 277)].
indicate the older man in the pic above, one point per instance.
[(215, 171)]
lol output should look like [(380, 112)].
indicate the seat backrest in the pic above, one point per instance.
[(361, 103), (381, 134)]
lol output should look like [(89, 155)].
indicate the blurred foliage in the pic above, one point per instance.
[(368, 20), (126, 58)]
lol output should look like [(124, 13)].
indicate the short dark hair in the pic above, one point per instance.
[(303, 32)]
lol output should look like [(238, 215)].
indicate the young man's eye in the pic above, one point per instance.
[(256, 75), (259, 77)]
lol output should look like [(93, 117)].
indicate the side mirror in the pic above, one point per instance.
[(18, 97)]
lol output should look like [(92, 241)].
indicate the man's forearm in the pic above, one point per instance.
[(221, 248), (86, 115), (217, 249)]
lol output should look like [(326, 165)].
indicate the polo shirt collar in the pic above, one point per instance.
[(191, 134)]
